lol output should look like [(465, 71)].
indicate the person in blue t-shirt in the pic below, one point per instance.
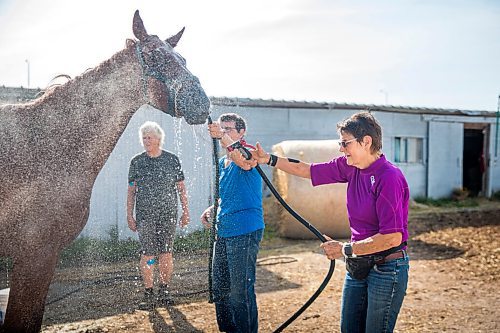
[(240, 226)]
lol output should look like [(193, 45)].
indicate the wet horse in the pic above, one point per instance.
[(52, 149)]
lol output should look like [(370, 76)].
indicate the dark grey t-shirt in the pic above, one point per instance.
[(155, 179)]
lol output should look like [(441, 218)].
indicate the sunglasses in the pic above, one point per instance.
[(344, 144)]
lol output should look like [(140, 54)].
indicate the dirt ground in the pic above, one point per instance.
[(453, 287)]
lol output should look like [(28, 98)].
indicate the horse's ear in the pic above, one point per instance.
[(138, 27), (175, 39)]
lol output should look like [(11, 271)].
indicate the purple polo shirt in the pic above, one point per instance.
[(377, 197)]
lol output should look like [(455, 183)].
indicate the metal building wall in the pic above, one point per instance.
[(493, 162), (436, 177), (190, 143)]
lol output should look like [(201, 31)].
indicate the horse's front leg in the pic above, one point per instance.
[(31, 277)]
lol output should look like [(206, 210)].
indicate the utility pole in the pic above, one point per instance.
[(28, 63), (386, 95)]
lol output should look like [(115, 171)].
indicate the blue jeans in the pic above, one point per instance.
[(234, 265), (372, 305)]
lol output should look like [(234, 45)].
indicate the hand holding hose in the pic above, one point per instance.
[(332, 248), (237, 157), (215, 130)]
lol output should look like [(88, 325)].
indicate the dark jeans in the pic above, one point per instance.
[(372, 305), (234, 264)]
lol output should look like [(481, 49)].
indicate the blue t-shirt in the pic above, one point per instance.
[(240, 211)]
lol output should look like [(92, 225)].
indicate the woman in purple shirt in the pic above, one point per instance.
[(377, 207)]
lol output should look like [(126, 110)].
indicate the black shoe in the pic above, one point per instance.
[(164, 297), (148, 301)]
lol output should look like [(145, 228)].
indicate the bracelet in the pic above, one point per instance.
[(273, 159)]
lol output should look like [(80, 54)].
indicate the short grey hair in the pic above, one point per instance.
[(154, 128), (361, 124)]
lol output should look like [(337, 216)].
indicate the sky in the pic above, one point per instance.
[(426, 53)]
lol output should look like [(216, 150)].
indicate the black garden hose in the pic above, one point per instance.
[(214, 219), (316, 233)]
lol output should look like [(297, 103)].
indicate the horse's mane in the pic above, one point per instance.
[(89, 75)]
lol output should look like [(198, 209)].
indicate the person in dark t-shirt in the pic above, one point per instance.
[(156, 182)]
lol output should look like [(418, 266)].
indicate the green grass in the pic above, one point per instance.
[(447, 202), (270, 233), (85, 250), (195, 241)]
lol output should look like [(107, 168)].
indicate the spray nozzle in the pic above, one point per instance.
[(242, 149)]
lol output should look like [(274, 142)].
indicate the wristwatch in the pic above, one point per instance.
[(347, 250)]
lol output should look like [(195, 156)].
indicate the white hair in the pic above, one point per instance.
[(152, 128)]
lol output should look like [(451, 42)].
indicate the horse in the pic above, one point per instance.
[(52, 149)]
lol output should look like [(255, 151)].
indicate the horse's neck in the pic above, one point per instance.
[(95, 107)]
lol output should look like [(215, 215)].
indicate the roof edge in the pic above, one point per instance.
[(249, 102)]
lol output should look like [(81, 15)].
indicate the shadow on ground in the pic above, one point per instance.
[(82, 293), (179, 322)]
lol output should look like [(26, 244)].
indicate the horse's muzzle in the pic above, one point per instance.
[(192, 102)]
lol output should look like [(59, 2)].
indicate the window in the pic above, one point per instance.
[(408, 150)]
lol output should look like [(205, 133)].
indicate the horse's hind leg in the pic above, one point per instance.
[(31, 277)]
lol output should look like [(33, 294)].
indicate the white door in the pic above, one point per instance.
[(446, 141)]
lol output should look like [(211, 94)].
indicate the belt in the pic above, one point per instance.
[(393, 256)]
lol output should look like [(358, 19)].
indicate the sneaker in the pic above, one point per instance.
[(148, 301), (164, 296)]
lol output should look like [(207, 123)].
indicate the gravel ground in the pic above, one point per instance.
[(454, 283)]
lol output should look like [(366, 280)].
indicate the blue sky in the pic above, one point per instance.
[(441, 53)]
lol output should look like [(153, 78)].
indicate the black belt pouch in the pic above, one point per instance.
[(360, 267)]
